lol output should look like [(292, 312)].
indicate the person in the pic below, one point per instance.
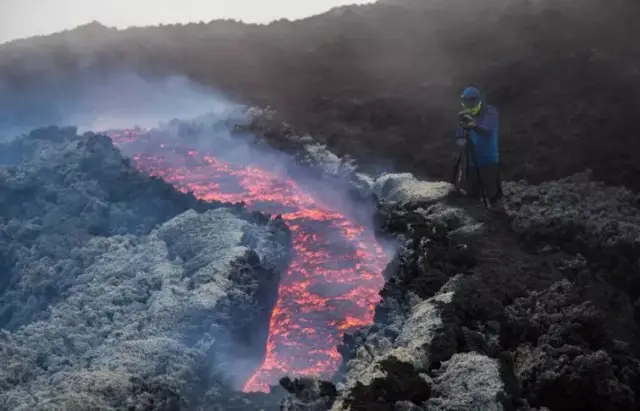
[(478, 134)]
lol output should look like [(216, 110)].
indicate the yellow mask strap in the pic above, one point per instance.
[(476, 109)]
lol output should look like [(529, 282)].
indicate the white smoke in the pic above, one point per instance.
[(124, 100)]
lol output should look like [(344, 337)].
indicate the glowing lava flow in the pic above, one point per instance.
[(332, 284)]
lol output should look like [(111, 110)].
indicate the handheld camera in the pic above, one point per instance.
[(465, 118)]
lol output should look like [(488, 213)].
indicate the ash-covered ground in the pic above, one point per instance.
[(117, 291)]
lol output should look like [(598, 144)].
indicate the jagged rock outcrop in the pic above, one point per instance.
[(150, 298), (473, 317), (308, 394), (183, 303), (598, 222)]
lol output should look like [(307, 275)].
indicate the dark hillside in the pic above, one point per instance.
[(381, 81)]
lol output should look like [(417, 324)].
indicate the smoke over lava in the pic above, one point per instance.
[(99, 101), (332, 284)]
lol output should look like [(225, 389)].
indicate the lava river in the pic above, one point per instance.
[(332, 284)]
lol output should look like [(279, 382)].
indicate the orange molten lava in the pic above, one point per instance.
[(332, 284)]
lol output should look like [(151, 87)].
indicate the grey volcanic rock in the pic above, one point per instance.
[(143, 310), (405, 187), (572, 351), (597, 223), (57, 191), (536, 310), (467, 381), (168, 299), (576, 208), (308, 394)]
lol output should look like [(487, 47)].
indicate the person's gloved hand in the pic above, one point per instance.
[(461, 142), (471, 123)]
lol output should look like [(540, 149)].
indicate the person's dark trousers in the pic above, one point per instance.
[(485, 177)]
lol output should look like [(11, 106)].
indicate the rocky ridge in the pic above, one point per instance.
[(533, 310)]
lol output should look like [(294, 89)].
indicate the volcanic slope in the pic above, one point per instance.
[(478, 314), (381, 81), (118, 291)]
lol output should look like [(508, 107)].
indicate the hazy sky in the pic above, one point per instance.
[(24, 18)]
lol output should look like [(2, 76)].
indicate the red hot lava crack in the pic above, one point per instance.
[(307, 322)]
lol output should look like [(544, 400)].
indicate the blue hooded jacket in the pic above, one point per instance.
[(485, 135)]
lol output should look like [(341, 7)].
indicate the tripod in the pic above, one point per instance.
[(461, 169)]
